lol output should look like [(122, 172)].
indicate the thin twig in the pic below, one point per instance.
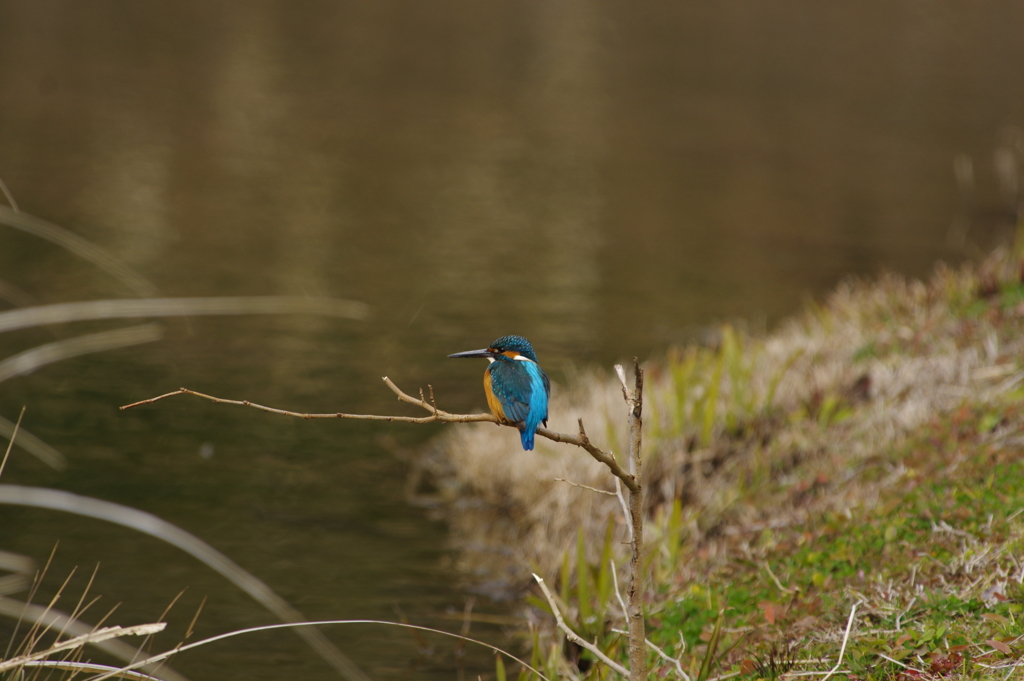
[(436, 415), (572, 636), (440, 416), (592, 489), (846, 638), (625, 509), (679, 667), (662, 654), (621, 373), (433, 402), (606, 458), (615, 584), (776, 580)]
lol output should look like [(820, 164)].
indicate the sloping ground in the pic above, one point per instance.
[(866, 453)]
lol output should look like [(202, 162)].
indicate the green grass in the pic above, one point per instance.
[(931, 564), (926, 563)]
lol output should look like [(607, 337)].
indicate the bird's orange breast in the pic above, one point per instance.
[(492, 399)]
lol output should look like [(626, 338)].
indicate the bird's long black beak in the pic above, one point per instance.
[(483, 353)]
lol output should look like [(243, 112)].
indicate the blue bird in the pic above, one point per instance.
[(517, 389)]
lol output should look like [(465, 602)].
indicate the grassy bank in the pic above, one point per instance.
[(864, 458)]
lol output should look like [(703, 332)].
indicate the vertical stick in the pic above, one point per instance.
[(635, 592)]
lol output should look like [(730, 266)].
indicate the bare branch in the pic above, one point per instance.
[(583, 442), (633, 606), (634, 590), (625, 613), (436, 415), (573, 636)]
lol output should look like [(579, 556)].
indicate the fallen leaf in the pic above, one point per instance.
[(903, 639), (770, 611), (1000, 646), (995, 617)]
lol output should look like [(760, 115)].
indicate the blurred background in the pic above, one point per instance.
[(606, 179)]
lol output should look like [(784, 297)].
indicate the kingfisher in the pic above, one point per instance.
[(517, 389)]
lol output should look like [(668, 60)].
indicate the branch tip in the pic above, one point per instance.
[(621, 373)]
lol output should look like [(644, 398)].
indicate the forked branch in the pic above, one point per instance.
[(437, 415), (632, 481)]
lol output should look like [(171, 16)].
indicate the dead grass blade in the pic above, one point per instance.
[(98, 636), (304, 625), (61, 313), (14, 295), (33, 445), (72, 666), (14, 435), (22, 569), (79, 246), (28, 361), (147, 523)]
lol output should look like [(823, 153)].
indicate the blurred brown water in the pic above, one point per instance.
[(606, 179)]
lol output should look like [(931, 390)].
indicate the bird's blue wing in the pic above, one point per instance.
[(522, 388), (540, 390), (513, 386)]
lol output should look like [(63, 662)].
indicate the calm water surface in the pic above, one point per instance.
[(605, 179)]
